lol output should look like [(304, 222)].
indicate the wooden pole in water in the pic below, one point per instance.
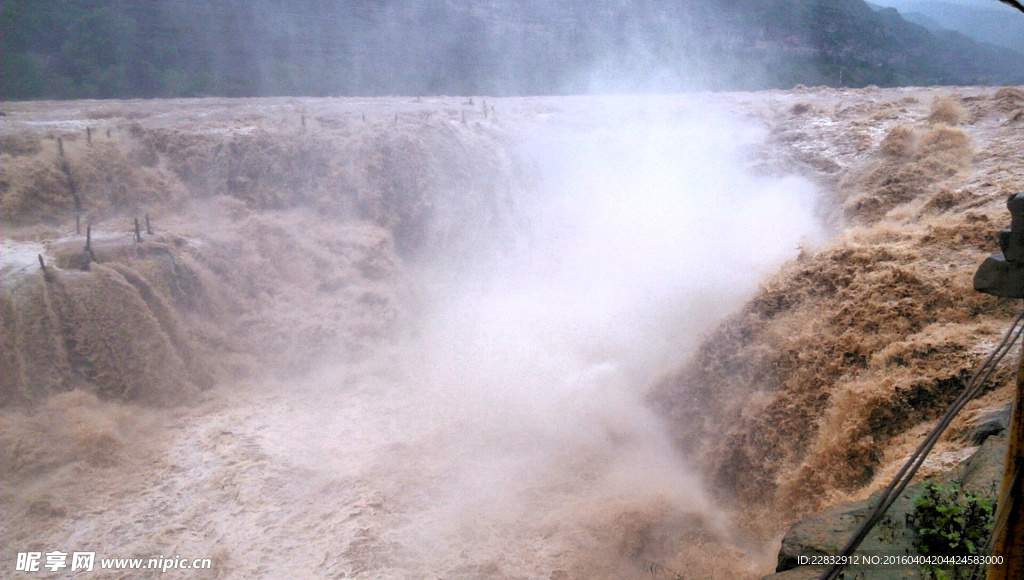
[(88, 135), (1009, 541), (138, 233), (42, 266), (60, 146), (149, 230), (88, 242)]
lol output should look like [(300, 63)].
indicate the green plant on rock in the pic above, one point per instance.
[(948, 520)]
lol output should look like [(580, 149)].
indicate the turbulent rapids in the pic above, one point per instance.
[(453, 338)]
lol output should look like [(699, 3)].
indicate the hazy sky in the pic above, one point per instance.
[(981, 3), (974, 3)]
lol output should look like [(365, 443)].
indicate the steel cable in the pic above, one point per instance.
[(909, 469)]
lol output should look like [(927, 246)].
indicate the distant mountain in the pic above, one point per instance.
[(825, 36), (991, 22), (142, 48), (924, 20)]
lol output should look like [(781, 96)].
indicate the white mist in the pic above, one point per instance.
[(527, 370)]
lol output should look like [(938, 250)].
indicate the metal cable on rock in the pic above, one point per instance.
[(909, 469)]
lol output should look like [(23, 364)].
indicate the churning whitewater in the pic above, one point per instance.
[(456, 395)]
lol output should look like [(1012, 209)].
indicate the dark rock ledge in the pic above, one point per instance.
[(826, 533)]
